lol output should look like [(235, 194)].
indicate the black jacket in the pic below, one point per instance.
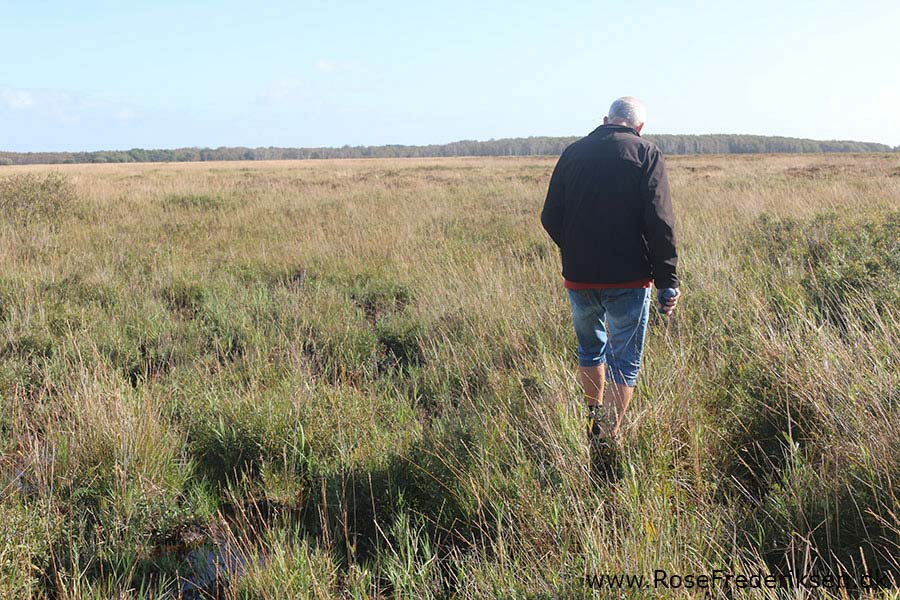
[(609, 211)]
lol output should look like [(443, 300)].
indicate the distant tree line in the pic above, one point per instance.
[(530, 146)]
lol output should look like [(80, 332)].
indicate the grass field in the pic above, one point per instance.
[(356, 379)]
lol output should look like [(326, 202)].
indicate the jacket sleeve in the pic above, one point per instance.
[(552, 215), (659, 221)]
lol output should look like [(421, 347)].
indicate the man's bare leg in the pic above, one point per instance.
[(592, 383), (604, 420), (618, 397)]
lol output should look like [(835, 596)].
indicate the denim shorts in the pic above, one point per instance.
[(610, 325)]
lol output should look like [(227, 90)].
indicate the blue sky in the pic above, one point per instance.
[(97, 74)]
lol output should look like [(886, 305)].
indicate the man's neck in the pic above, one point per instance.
[(623, 126)]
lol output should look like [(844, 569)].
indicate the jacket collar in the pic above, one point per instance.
[(612, 127)]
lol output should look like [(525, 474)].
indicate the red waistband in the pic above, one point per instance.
[(637, 283)]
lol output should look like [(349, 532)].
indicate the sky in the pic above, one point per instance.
[(98, 74)]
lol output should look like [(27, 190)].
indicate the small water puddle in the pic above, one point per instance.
[(218, 555), (210, 567)]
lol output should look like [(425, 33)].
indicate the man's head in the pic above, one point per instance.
[(627, 111)]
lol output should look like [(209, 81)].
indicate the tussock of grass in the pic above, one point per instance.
[(30, 198), (200, 202)]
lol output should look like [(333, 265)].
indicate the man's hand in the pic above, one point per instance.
[(668, 299)]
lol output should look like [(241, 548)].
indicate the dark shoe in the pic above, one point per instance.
[(595, 417), (606, 460), (606, 466)]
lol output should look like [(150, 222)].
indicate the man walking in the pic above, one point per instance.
[(609, 211)]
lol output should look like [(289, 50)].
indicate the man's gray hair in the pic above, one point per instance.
[(628, 111)]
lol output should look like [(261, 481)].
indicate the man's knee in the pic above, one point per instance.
[(622, 374)]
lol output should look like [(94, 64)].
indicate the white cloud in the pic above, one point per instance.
[(325, 66), (16, 99), (66, 107)]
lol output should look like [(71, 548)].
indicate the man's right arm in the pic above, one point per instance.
[(552, 215), (659, 221)]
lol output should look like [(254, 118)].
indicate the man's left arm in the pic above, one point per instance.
[(552, 215)]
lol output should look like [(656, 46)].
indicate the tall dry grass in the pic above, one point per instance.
[(355, 379)]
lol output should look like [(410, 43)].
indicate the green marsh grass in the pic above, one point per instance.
[(355, 378)]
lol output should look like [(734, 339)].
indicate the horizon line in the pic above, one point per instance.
[(424, 145)]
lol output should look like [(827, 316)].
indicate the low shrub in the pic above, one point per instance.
[(231, 436), (829, 517), (400, 338), (835, 260), (198, 202), (376, 295), (26, 552), (32, 198), (763, 425), (183, 297)]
